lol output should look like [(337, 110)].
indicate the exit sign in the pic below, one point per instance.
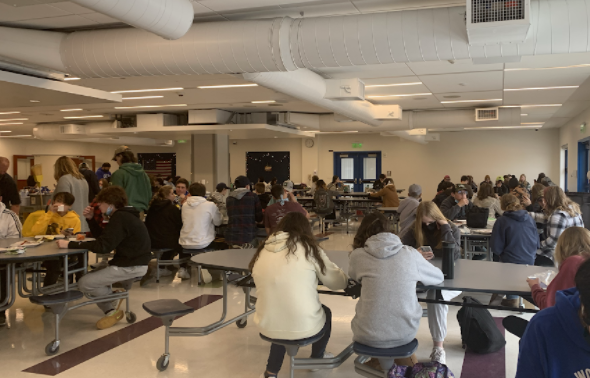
[(357, 145)]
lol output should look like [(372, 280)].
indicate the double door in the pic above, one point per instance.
[(357, 170)]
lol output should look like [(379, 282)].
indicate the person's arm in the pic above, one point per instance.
[(451, 235), (112, 235), (95, 228), (380, 193), (334, 278), (77, 225), (540, 295), (93, 185), (498, 239), (555, 227), (428, 274), (450, 211), (497, 208), (532, 361), (117, 179), (15, 228)]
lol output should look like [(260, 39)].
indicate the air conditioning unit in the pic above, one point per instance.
[(388, 112), (156, 120), (209, 117), (345, 89), (486, 114), (497, 21), (72, 129)]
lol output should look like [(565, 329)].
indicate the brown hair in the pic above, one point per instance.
[(127, 156), (65, 198), (162, 193), (487, 178), (299, 230), (197, 189), (572, 241), (321, 184), (66, 166), (314, 178), (277, 191), (260, 187), (105, 183), (372, 224), (485, 191), (429, 209), (182, 181), (509, 202), (556, 200), (113, 195), (537, 192)]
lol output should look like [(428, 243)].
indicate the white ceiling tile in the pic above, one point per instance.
[(555, 123), (409, 103), (56, 22), (372, 6), (464, 82), (71, 8), (100, 18), (200, 8), (545, 78), (366, 72), (9, 13), (465, 96), (554, 60), (230, 5), (444, 67), (550, 96), (319, 10)]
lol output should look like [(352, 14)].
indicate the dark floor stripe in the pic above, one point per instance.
[(83, 353), (491, 365)]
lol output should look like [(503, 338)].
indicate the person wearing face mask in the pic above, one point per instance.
[(284, 204), (125, 234), (431, 229), (457, 205)]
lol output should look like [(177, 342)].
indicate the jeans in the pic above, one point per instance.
[(277, 352), (512, 297)]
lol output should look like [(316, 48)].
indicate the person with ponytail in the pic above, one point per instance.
[(556, 343)]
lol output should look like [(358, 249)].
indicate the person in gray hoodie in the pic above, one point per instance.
[(407, 208), (388, 313)]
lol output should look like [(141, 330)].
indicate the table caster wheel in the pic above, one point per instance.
[(52, 348), (242, 323), (131, 317), (163, 361)]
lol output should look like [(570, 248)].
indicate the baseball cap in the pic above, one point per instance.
[(119, 150), (447, 177), (460, 187), (415, 189), (221, 187), (288, 185), (83, 165), (499, 178), (242, 182)]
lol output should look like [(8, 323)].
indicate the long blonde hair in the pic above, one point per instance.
[(573, 241), (556, 200), (66, 166), (162, 193), (430, 210), (509, 202)]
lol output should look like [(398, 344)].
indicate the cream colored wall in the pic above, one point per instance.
[(570, 135)]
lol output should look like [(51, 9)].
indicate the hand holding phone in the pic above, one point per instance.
[(426, 252)]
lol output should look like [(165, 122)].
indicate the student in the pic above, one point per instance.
[(446, 192), (104, 172), (335, 185), (523, 183), (11, 198), (282, 206), (102, 183), (286, 270), (219, 197), (127, 235), (500, 189), (556, 343), (472, 183), (485, 198), (457, 205), (387, 313), (539, 178), (573, 248), (431, 228), (91, 179), (388, 194), (514, 240), (379, 183), (465, 182), (559, 213), (323, 201), (516, 190), (10, 227), (445, 181), (70, 180), (288, 187), (132, 178), (244, 211), (181, 191), (260, 189), (408, 206), (314, 181), (487, 180)]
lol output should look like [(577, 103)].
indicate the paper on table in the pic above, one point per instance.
[(545, 278), (12, 250), (26, 244)]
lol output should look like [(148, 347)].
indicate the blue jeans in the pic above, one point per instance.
[(512, 296), (277, 352)]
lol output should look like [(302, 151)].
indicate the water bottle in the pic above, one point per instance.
[(448, 263)]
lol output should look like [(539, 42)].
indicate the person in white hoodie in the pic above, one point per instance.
[(10, 227), (286, 270), (199, 218)]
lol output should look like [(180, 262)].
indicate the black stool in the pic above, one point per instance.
[(292, 347), (167, 310), (58, 304), (386, 358)]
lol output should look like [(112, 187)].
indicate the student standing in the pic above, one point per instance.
[(314, 181), (282, 206), (10, 227), (70, 180), (104, 172), (132, 178), (286, 270), (388, 194), (91, 179), (243, 211), (10, 197), (408, 206)]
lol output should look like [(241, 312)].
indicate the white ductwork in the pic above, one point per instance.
[(170, 19), (35, 47)]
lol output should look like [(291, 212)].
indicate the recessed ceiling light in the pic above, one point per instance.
[(141, 98), (402, 95), (10, 113), (532, 123), (540, 88), (263, 102), (34, 101), (524, 115), (334, 132), (8, 131), (11, 123), (502, 127), (527, 106), (226, 86), (14, 119), (149, 90), (393, 85), (71, 110), (148, 106), (89, 116), (546, 68), (14, 136), (71, 78), (454, 102)]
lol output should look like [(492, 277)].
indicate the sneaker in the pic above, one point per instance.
[(184, 274), (110, 319), (438, 355), (326, 355), (165, 273)]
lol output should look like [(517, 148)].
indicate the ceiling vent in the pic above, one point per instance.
[(496, 21), (345, 89), (486, 114)]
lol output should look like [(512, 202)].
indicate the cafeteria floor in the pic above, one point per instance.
[(131, 351)]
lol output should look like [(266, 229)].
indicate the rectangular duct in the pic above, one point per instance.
[(498, 21)]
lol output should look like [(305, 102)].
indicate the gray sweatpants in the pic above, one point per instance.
[(437, 314), (98, 283)]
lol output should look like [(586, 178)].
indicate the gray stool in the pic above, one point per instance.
[(197, 252), (167, 310), (157, 253), (386, 358), (58, 304), (292, 347)]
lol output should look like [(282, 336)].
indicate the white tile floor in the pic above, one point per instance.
[(228, 352)]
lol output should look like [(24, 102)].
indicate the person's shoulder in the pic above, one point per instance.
[(545, 320)]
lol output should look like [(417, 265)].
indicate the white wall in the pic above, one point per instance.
[(569, 135)]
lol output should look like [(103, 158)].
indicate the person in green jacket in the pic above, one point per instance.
[(131, 177)]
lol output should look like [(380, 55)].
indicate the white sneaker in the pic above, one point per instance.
[(184, 274), (164, 272), (326, 355), (438, 355)]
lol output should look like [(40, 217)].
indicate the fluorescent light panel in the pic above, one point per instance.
[(540, 88), (8, 131), (71, 78), (9, 113), (14, 136), (527, 106), (226, 86), (148, 106), (11, 123), (458, 101), (546, 68), (524, 115), (149, 90), (141, 98), (334, 132), (502, 127), (263, 102), (532, 123), (14, 119), (402, 95), (392, 85), (71, 110), (80, 117)]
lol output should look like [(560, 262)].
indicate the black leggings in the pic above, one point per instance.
[(515, 325)]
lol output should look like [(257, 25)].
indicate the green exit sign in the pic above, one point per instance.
[(181, 141), (357, 145)]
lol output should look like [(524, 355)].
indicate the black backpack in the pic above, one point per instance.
[(479, 332), (477, 217)]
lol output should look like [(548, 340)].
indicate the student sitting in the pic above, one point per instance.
[(468, 187), (286, 271), (336, 185), (443, 184), (282, 206), (181, 191), (573, 248), (388, 194), (515, 240), (444, 194), (314, 181), (457, 205), (556, 343), (323, 201), (127, 235), (485, 198), (264, 197), (408, 206), (431, 228), (288, 187), (387, 313), (199, 218), (10, 227), (244, 211), (219, 197), (516, 190), (379, 183), (500, 188)]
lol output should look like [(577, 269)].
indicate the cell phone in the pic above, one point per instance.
[(425, 248), (61, 208)]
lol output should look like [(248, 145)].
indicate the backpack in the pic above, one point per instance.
[(323, 202), (421, 370), (477, 217), (479, 332)]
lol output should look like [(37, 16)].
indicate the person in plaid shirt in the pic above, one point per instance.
[(559, 213), (244, 211)]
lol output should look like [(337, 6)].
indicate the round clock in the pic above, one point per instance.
[(309, 143)]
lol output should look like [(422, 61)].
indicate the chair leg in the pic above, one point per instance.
[(157, 268)]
